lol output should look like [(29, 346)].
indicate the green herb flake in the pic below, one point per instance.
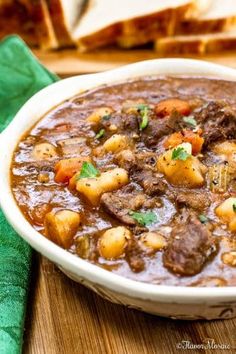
[(234, 207), (88, 171), (100, 134), (190, 121), (180, 154), (144, 219), (143, 109), (203, 218), (106, 117), (142, 106)]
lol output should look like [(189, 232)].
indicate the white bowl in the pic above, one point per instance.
[(169, 301)]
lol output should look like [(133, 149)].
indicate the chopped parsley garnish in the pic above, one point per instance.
[(88, 171), (143, 109), (100, 134), (180, 154), (144, 219), (106, 117), (203, 218), (142, 106), (234, 207), (190, 120)]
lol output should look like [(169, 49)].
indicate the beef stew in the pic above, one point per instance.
[(138, 178)]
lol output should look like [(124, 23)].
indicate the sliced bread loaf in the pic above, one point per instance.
[(43, 24), (197, 44), (128, 22), (221, 16), (15, 17), (165, 21), (65, 15)]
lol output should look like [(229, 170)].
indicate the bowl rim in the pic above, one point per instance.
[(81, 268)]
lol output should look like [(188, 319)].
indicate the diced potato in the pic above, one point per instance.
[(188, 173), (93, 188), (153, 240), (61, 227), (44, 151), (115, 143), (229, 258), (97, 115), (226, 212), (112, 243)]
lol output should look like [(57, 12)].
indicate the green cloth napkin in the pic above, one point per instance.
[(21, 76)]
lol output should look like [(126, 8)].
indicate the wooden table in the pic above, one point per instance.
[(65, 317)]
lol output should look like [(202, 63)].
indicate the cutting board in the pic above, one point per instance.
[(64, 317), (71, 62)]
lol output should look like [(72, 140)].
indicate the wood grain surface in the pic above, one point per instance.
[(71, 62), (64, 317)]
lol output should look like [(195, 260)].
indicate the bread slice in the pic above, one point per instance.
[(65, 15), (197, 44), (160, 24), (128, 22), (43, 24), (221, 16), (16, 18)]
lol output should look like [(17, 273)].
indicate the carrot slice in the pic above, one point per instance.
[(187, 136), (195, 139), (166, 107), (66, 169), (173, 140)]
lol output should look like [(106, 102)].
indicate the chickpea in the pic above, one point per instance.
[(112, 243), (154, 241), (43, 177), (96, 116), (229, 258), (113, 128)]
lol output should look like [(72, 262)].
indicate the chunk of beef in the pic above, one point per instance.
[(194, 200), (152, 183), (141, 167), (127, 123), (120, 204), (161, 127), (189, 247), (218, 121), (118, 208), (126, 159), (134, 256)]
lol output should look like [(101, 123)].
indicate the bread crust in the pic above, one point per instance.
[(15, 17), (58, 21), (198, 44), (64, 36), (140, 31), (196, 26), (137, 31), (43, 25)]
